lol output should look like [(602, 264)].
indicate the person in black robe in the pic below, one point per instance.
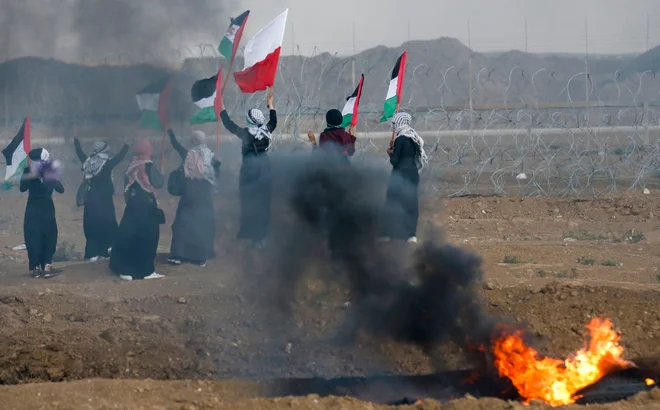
[(193, 230), (99, 218), (39, 224), (407, 157), (255, 174), (136, 240)]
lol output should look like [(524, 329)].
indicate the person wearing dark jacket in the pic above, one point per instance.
[(407, 157), (255, 175), (39, 224), (193, 230), (136, 241), (99, 218), (334, 139), (332, 158)]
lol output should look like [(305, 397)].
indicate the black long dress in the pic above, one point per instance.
[(99, 218), (402, 204), (136, 241), (193, 230), (254, 179), (39, 224)]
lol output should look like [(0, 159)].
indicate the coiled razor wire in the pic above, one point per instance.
[(488, 132)]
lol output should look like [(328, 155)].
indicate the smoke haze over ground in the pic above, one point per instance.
[(429, 299), (92, 30)]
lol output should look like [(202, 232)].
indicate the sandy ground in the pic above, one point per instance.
[(172, 343)]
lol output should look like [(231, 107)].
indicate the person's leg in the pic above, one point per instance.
[(49, 247), (33, 246), (145, 254), (411, 205)]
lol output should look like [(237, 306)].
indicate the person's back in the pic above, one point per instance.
[(102, 184), (404, 153), (337, 140)]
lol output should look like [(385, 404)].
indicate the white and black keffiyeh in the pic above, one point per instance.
[(256, 125), (401, 127), (96, 160)]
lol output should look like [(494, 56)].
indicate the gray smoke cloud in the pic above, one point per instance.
[(94, 30)]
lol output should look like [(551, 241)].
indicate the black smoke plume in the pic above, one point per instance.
[(96, 30), (429, 303)]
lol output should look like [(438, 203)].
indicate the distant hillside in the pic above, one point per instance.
[(649, 61), (437, 76)]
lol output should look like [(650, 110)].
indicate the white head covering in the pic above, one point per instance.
[(198, 137), (401, 126)]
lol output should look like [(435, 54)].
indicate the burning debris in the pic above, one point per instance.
[(435, 303), (557, 381)]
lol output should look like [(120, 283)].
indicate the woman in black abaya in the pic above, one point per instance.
[(407, 157), (255, 178), (99, 219), (193, 231), (136, 241), (39, 225)]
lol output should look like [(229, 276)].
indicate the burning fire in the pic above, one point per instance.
[(556, 381), (650, 382)]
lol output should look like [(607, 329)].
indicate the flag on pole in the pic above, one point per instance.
[(205, 95), (262, 56), (153, 100), (396, 86), (350, 111), (229, 44), (16, 154)]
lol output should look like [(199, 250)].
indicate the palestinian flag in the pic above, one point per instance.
[(153, 101), (231, 40), (262, 56), (396, 86), (205, 96), (16, 154), (350, 111)]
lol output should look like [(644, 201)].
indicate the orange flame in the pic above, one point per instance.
[(555, 381), (650, 382)]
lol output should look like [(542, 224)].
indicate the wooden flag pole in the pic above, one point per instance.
[(222, 91), (224, 85)]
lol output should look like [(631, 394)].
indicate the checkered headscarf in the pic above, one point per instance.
[(401, 127), (98, 147), (256, 127)]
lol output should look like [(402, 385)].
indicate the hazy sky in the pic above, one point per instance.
[(99, 30), (614, 26)]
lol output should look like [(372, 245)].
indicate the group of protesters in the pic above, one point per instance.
[(131, 245)]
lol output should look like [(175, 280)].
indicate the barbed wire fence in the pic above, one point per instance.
[(503, 130), (527, 144)]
